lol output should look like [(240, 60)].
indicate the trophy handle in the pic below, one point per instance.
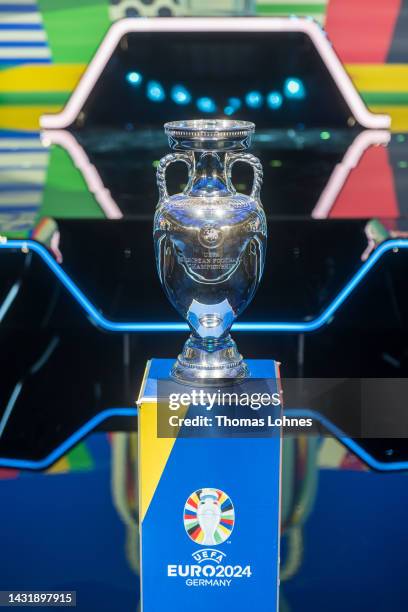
[(256, 165), (162, 167)]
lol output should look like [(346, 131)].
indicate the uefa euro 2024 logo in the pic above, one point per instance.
[(209, 517)]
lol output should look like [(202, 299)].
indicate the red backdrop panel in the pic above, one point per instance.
[(362, 30)]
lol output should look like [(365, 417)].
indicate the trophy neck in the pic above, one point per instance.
[(209, 177)]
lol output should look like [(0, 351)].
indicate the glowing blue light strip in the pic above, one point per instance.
[(349, 443), (266, 326), (41, 464), (9, 299)]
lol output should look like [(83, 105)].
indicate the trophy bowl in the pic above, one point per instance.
[(210, 244)]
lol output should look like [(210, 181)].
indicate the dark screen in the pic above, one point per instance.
[(274, 79)]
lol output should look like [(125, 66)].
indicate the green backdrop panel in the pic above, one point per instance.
[(74, 27), (66, 194)]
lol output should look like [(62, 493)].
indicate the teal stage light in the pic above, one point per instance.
[(180, 95), (235, 103), (274, 100), (134, 78), (254, 99), (294, 88), (155, 91), (206, 105)]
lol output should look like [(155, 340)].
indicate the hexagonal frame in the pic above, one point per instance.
[(318, 37)]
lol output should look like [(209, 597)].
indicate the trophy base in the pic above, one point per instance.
[(209, 362)]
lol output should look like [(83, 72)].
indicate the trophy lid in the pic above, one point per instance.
[(209, 134)]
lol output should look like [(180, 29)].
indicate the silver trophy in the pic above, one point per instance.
[(210, 244)]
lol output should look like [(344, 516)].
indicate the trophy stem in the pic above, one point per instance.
[(209, 361)]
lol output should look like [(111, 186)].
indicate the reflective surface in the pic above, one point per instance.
[(78, 531), (81, 533), (322, 172)]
